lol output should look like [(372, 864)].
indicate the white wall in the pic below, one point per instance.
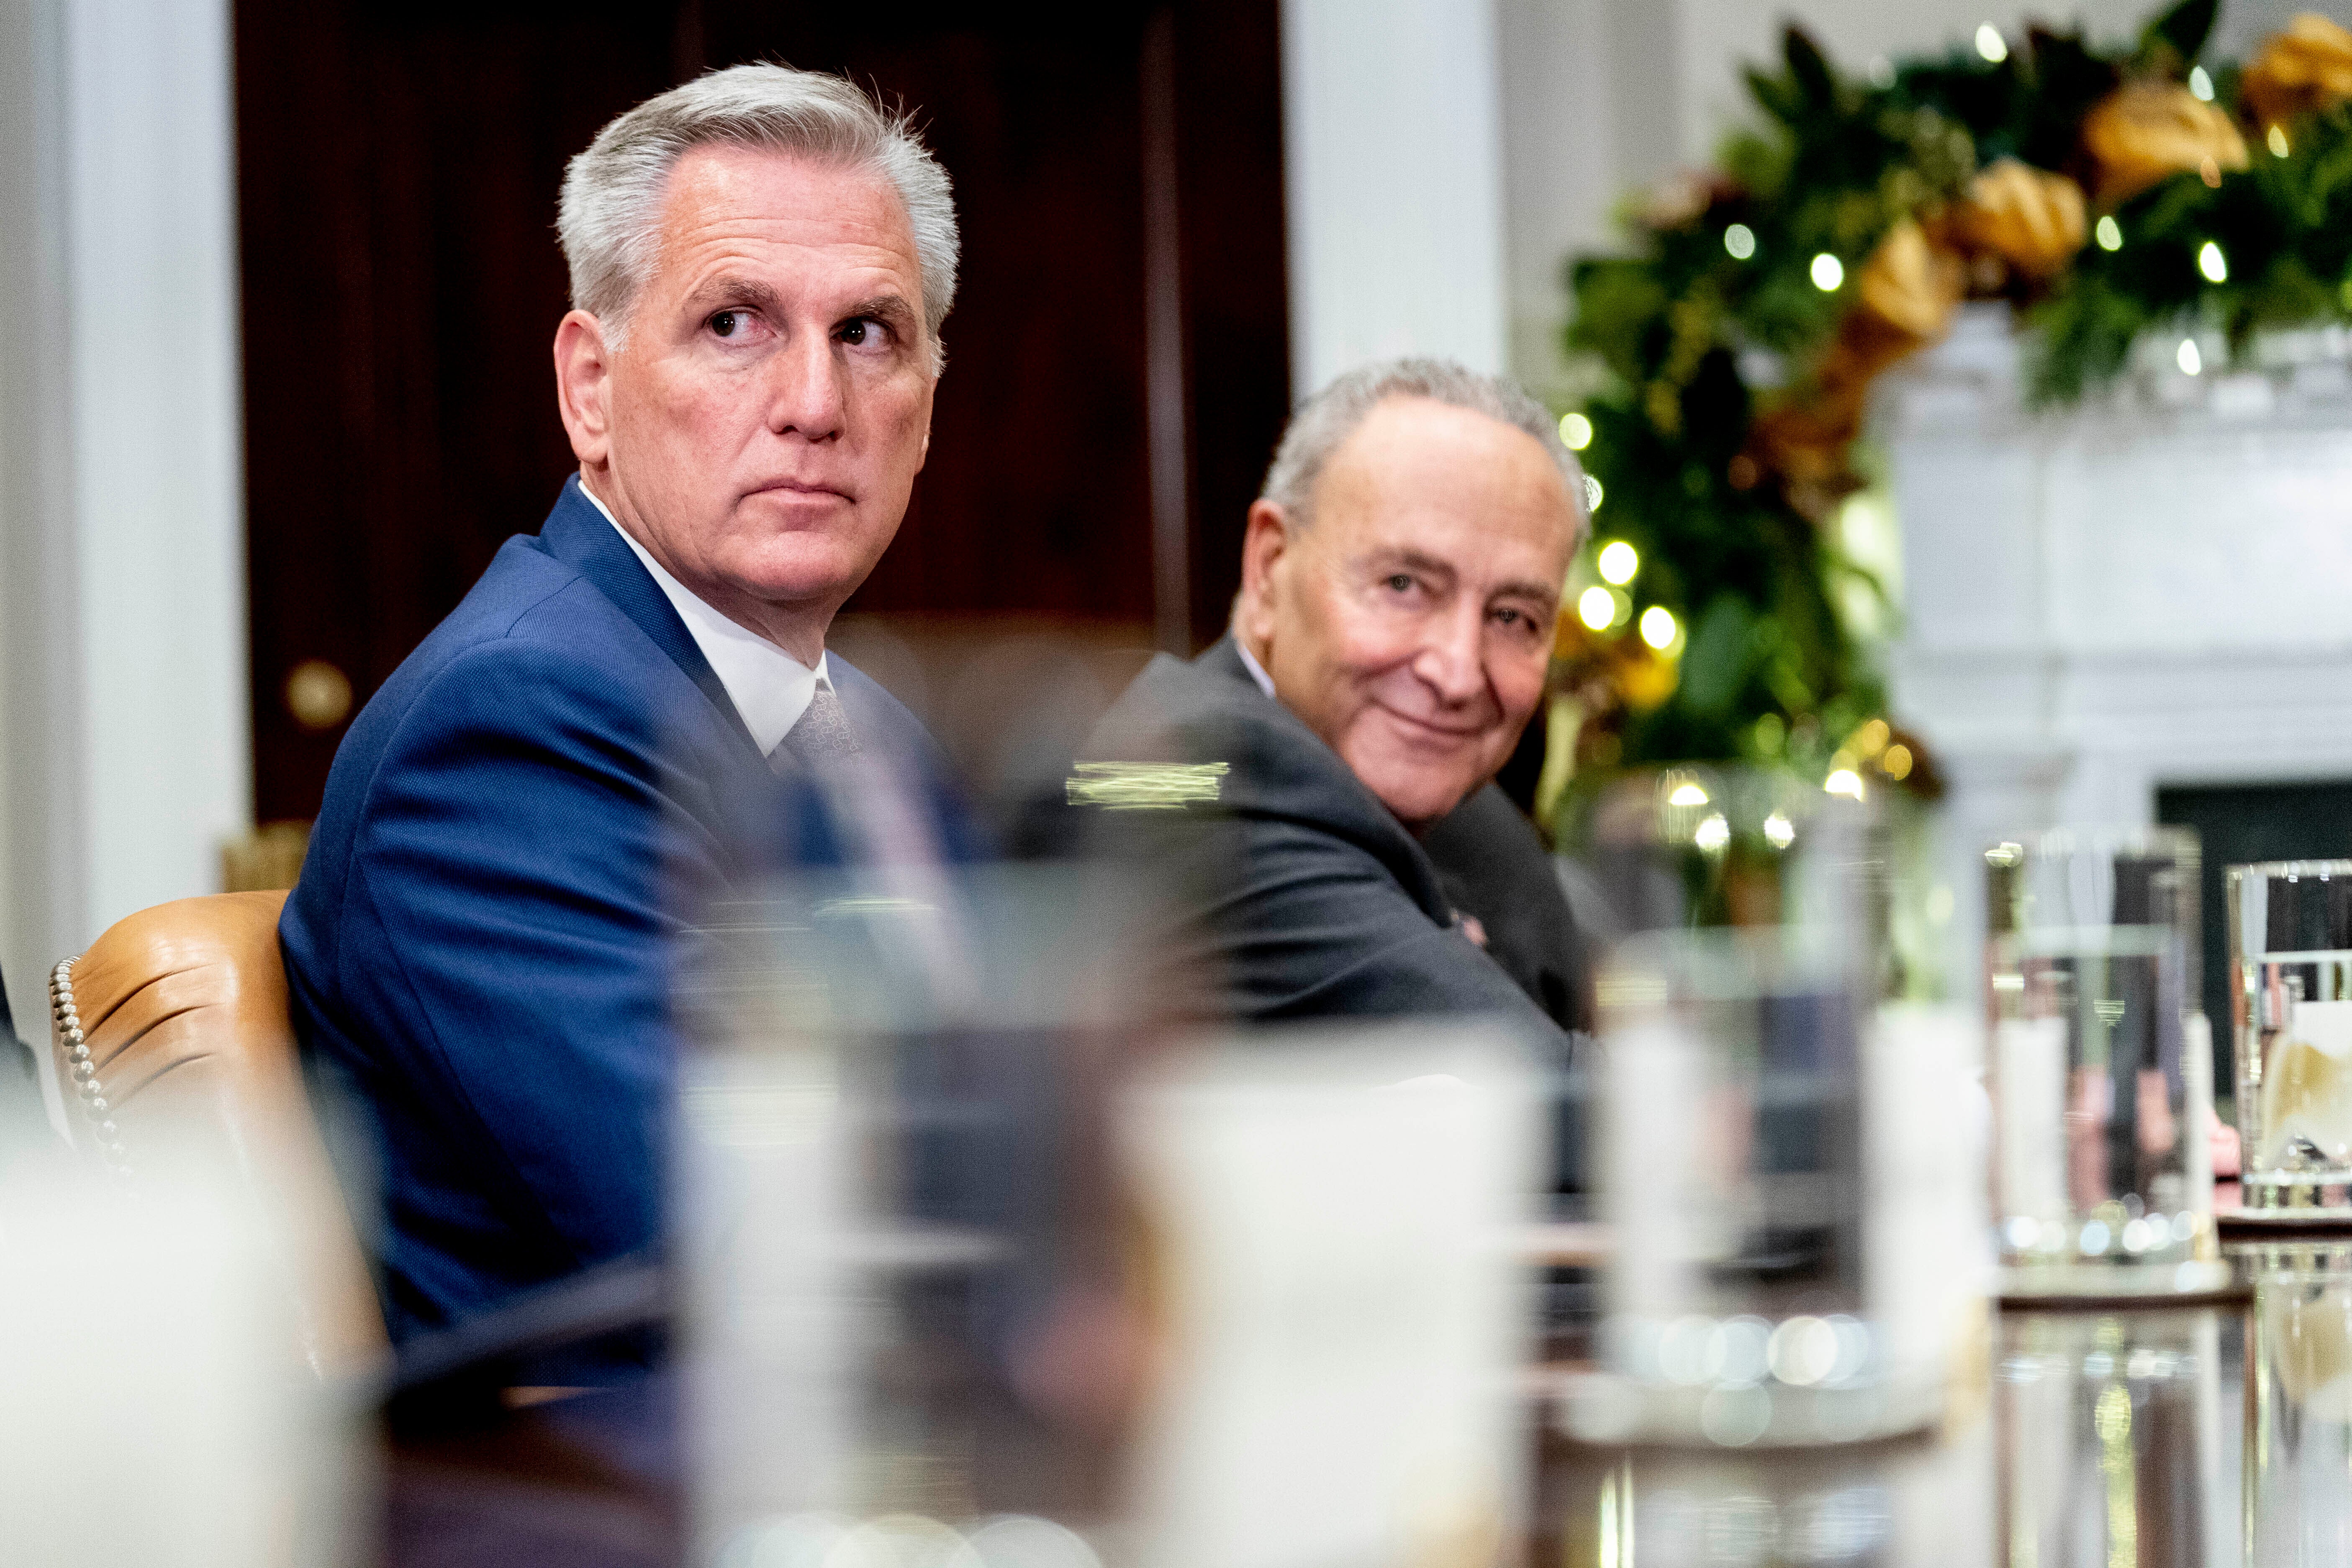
[(1393, 148), (124, 726)]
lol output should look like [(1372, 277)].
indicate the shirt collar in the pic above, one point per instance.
[(769, 687), (1250, 663)]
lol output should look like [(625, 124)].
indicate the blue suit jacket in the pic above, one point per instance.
[(482, 939)]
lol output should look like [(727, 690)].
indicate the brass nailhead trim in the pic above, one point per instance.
[(95, 1109)]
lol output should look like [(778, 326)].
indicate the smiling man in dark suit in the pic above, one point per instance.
[(604, 734), (1401, 577)]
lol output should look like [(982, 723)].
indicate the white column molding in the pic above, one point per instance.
[(1392, 155), (122, 663)]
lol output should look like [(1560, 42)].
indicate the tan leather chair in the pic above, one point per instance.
[(171, 1036)]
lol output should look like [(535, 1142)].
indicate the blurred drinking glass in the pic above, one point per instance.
[(2108, 1435), (2102, 1077), (2291, 995), (1756, 1159), (2298, 1442)]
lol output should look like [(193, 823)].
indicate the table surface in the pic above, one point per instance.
[(2087, 1437)]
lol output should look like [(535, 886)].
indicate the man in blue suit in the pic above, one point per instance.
[(604, 734)]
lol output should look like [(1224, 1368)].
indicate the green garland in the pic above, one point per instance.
[(1725, 309)]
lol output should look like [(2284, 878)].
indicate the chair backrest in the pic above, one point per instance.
[(171, 1033)]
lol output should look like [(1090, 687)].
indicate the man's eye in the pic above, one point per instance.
[(725, 322), (862, 332), (1399, 583)]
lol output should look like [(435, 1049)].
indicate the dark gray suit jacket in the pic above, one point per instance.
[(1299, 894)]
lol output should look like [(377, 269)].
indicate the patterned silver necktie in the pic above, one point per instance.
[(822, 735)]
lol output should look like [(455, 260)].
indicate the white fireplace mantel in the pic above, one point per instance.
[(2156, 590)]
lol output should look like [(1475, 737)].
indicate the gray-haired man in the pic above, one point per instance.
[(592, 740), (1401, 577)]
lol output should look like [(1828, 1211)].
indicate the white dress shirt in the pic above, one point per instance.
[(1250, 663), (769, 687)]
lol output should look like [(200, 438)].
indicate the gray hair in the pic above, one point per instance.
[(610, 213), (1324, 422)]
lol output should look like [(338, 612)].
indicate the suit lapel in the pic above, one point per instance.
[(1374, 825), (576, 533)]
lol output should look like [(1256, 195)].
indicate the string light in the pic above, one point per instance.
[(1828, 272), (1618, 563), (2110, 233), (1740, 241), (2200, 86), (1658, 627), (1575, 432), (2190, 362), (2277, 140), (2211, 262), (1596, 608), (1990, 43)]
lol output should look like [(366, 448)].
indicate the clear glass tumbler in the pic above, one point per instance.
[(2101, 1076), (2291, 998), (1765, 1186), (2298, 1444)]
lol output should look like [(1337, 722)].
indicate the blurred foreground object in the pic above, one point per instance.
[(1798, 1261), (2101, 1074), (2111, 1439), (171, 1041), (1343, 1314), (910, 1277), (2298, 1402), (2290, 924), (154, 1413), (973, 1262)]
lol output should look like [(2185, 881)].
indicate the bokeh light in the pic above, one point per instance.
[(1658, 627), (1990, 43), (1575, 432), (1740, 241), (1596, 608), (1828, 272), (1618, 563)]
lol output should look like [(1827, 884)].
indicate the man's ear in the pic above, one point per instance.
[(584, 387), (1266, 544)]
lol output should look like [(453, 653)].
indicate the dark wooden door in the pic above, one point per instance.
[(1116, 362)]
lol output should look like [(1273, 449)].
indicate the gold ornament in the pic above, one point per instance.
[(1910, 284), (2147, 131), (1903, 299), (2033, 220), (2307, 67)]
